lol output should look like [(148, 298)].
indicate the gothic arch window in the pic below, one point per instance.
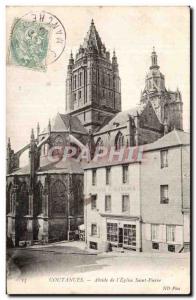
[(79, 198), (9, 207), (23, 205), (38, 198), (99, 145), (58, 201), (119, 141)]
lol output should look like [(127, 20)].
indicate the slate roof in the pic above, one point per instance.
[(173, 138), (21, 171), (92, 39), (70, 166), (63, 122), (122, 118)]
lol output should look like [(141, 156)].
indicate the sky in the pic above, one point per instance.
[(35, 96)]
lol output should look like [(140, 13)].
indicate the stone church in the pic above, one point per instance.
[(45, 199)]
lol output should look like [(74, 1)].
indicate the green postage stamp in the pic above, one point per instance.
[(29, 44)]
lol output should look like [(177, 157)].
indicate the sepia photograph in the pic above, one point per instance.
[(98, 150)]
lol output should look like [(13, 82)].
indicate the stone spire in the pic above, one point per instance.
[(92, 40)]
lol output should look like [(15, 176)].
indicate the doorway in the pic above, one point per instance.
[(120, 237)]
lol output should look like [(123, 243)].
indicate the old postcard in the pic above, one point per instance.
[(98, 150)]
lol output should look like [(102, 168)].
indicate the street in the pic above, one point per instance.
[(71, 257)]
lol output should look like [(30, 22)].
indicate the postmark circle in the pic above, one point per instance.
[(57, 34), (37, 40)]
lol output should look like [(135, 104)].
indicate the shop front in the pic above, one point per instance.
[(124, 233)]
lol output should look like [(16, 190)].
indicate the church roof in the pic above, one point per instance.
[(122, 117), (22, 171), (93, 39), (70, 166), (173, 138), (66, 123)]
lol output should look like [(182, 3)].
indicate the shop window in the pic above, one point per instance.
[(112, 232), (129, 236)]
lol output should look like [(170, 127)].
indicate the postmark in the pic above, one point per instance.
[(37, 40)]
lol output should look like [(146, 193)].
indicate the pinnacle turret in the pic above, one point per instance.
[(154, 61), (32, 135), (49, 126), (38, 130)]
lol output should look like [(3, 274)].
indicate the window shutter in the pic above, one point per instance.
[(162, 233), (179, 234), (148, 232)]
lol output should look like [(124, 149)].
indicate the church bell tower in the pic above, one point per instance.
[(93, 88)]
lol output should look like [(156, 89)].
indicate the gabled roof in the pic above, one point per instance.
[(66, 123), (122, 117), (173, 138), (74, 123)]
